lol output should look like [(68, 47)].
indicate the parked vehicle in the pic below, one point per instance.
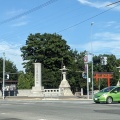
[(108, 95)]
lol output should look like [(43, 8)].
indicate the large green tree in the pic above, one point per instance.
[(52, 51)]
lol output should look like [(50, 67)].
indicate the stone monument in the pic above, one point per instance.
[(37, 89), (64, 85)]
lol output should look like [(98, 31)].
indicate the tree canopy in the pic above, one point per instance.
[(48, 49), (53, 52)]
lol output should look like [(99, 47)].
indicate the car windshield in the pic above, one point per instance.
[(107, 89)]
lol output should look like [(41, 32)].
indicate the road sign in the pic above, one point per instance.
[(85, 59)]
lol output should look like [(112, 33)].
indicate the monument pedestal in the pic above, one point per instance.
[(65, 88), (36, 92)]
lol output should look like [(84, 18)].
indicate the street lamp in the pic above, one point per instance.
[(86, 61), (92, 61), (3, 75)]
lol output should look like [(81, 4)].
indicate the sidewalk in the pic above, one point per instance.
[(46, 98)]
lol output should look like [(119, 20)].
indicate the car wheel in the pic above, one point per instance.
[(109, 100)]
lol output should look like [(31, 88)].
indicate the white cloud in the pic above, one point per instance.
[(96, 4), (19, 24), (107, 42), (99, 4), (21, 19), (12, 53), (13, 12), (107, 36), (110, 23), (104, 43)]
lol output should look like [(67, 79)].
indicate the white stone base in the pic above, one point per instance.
[(65, 88), (36, 92), (66, 91)]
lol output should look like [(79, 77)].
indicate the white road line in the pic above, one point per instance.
[(3, 113), (41, 119)]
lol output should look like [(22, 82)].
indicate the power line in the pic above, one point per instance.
[(29, 11), (42, 20), (112, 3), (88, 19), (74, 24)]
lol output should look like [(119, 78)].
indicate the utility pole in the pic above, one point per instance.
[(3, 75), (92, 62)]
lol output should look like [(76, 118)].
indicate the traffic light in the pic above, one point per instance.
[(84, 74), (103, 60), (7, 76)]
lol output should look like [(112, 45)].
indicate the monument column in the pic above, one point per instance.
[(37, 74), (37, 89)]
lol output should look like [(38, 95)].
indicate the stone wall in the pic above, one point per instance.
[(24, 92), (46, 92), (51, 92)]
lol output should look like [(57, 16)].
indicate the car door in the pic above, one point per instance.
[(118, 94), (115, 94)]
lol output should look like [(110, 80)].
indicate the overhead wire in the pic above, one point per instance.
[(49, 2), (29, 11), (88, 19), (112, 3), (43, 20)]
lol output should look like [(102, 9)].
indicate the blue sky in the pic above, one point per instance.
[(70, 18)]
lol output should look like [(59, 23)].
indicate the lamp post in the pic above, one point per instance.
[(87, 83), (3, 75), (92, 62), (86, 64)]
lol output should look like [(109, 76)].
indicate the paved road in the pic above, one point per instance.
[(58, 110)]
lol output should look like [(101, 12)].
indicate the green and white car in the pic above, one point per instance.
[(108, 95)]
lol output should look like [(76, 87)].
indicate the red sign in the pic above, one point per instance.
[(85, 59)]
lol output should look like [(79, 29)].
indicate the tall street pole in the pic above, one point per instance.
[(87, 83), (92, 62), (3, 75), (86, 65)]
